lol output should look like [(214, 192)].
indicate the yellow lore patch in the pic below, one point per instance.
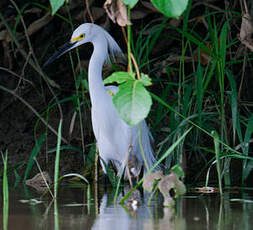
[(79, 38)]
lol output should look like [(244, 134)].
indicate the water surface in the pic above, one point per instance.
[(73, 211)]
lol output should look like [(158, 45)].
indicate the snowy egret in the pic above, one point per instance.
[(116, 141)]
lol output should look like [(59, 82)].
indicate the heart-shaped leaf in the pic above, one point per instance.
[(56, 4), (132, 102), (171, 8)]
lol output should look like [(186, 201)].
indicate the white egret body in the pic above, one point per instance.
[(116, 141)]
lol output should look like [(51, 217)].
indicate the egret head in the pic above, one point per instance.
[(87, 32), (82, 34)]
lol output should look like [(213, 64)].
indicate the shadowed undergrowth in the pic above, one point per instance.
[(200, 71)]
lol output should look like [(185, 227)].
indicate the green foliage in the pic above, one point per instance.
[(132, 102), (145, 80), (34, 153), (178, 170), (197, 97), (130, 3), (56, 5), (233, 102), (172, 147), (114, 180), (168, 152), (119, 77), (171, 8)]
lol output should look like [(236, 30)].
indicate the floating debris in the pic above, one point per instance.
[(32, 201), (207, 189), (165, 184), (40, 181)]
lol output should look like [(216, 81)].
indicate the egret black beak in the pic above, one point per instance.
[(68, 46)]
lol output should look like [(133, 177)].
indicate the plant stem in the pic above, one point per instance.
[(128, 42)]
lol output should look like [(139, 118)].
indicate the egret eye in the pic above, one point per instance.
[(81, 36)]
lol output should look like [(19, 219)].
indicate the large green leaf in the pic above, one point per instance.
[(132, 102), (130, 3), (171, 8), (118, 77), (56, 4)]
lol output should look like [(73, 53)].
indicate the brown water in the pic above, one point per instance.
[(192, 211)]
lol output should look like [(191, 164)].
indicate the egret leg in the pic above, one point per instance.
[(127, 168), (129, 176)]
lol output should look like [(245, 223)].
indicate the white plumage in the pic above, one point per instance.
[(116, 141)]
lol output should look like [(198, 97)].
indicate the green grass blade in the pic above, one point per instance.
[(217, 155), (66, 147), (197, 42), (187, 99), (199, 75), (223, 44), (191, 122), (114, 180), (117, 188), (154, 36), (170, 149), (209, 75), (56, 216), (17, 178), (5, 193), (57, 161), (34, 153), (75, 175), (247, 164), (233, 104), (88, 193)]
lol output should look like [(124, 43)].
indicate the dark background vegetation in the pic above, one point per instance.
[(20, 127)]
